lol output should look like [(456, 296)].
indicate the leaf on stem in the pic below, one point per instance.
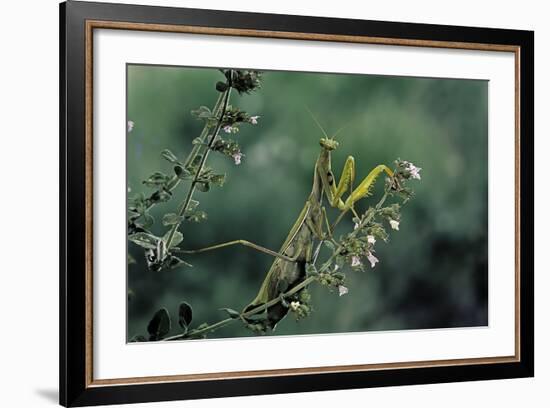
[(203, 186), (231, 312), (202, 112), (196, 216), (144, 240), (171, 219), (178, 237), (182, 173), (185, 314), (160, 325), (156, 179), (168, 155)]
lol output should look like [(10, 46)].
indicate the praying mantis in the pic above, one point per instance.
[(289, 267)]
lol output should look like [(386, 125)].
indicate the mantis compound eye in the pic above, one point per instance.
[(327, 143)]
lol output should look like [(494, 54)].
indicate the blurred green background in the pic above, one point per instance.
[(432, 273)]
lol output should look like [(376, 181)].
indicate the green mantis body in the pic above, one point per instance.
[(284, 274), (289, 267)]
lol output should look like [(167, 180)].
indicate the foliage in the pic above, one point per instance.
[(193, 172)]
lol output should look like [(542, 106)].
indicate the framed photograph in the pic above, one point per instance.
[(256, 203)]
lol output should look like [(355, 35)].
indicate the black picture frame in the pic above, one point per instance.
[(76, 386)]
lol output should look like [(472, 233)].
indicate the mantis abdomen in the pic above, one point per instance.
[(283, 274)]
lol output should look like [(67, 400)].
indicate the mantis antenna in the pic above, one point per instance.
[(339, 130), (321, 127), (317, 123)]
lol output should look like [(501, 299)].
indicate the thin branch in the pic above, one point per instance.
[(175, 180), (250, 313), (193, 186)]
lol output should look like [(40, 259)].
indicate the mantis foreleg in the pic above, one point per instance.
[(334, 194)]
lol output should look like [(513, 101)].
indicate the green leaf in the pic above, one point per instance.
[(160, 325), (148, 220), (231, 312), (144, 240), (204, 187), (156, 179), (311, 270), (196, 216), (218, 179), (202, 113), (168, 155), (178, 237), (182, 173), (171, 219), (221, 86), (192, 205), (161, 196), (185, 313)]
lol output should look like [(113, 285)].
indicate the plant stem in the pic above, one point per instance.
[(175, 180), (189, 196), (291, 292), (250, 313), (204, 132)]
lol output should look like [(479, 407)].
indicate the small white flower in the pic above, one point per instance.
[(413, 170), (336, 267), (130, 126), (342, 290), (228, 128), (372, 259), (294, 305), (237, 157), (371, 239), (254, 120), (355, 261), (356, 226), (394, 225), (415, 173)]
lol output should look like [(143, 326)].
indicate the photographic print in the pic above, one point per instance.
[(303, 203)]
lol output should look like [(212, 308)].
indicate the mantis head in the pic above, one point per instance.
[(328, 143)]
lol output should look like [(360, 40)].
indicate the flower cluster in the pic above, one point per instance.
[(230, 124), (244, 81), (229, 147), (300, 304), (234, 117)]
